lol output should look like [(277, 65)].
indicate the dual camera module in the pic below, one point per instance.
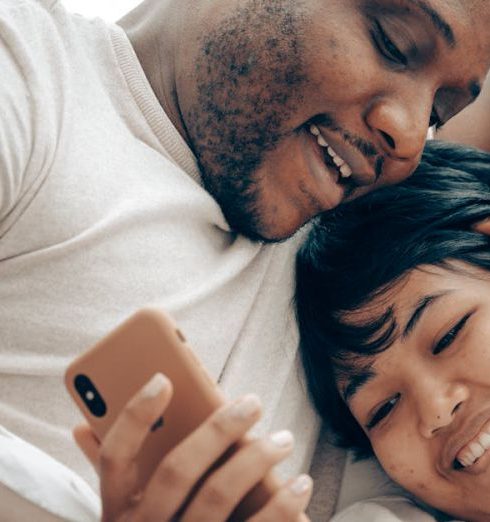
[(94, 401), (90, 395)]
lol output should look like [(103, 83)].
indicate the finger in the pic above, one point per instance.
[(222, 491), (121, 446), (186, 464), (289, 503), (483, 227), (88, 443)]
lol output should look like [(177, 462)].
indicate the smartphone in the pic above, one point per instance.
[(102, 380)]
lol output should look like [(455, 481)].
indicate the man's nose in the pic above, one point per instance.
[(400, 124), (438, 404)]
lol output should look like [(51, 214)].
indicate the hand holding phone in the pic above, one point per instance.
[(185, 471), (194, 461)]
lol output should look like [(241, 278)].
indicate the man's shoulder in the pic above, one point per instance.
[(34, 4), (46, 4), (22, 13)]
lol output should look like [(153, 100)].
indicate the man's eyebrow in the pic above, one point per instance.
[(419, 309), (357, 381), (436, 19)]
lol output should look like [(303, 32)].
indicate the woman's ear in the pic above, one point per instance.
[(483, 227)]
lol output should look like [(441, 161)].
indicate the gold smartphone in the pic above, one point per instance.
[(102, 380)]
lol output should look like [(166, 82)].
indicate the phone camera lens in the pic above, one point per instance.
[(90, 395)]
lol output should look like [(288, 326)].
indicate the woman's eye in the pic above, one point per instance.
[(382, 412), (450, 336), (386, 46)]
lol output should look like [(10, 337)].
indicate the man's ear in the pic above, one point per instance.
[(483, 227)]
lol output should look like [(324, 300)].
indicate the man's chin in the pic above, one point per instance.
[(267, 232), (257, 230), (263, 234)]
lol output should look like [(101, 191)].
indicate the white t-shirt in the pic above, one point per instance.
[(101, 213)]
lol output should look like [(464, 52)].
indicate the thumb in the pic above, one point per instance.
[(88, 443)]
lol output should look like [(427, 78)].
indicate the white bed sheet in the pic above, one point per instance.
[(34, 486)]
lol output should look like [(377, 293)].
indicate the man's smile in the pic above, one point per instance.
[(352, 163), (332, 182), (332, 158)]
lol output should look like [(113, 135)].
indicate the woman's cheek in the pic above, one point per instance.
[(404, 467)]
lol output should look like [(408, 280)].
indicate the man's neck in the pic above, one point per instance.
[(154, 29)]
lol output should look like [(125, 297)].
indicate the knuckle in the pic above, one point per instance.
[(109, 461), (283, 510), (214, 494), (173, 473), (139, 415)]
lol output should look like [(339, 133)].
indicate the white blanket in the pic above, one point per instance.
[(35, 487)]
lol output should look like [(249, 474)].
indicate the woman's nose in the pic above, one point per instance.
[(401, 125), (438, 406)]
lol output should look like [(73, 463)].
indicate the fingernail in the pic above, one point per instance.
[(245, 407), (282, 439), (301, 485), (154, 387)]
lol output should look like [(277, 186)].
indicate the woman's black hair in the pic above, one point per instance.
[(364, 248)]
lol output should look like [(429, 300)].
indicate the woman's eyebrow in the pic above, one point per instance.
[(361, 377), (356, 381), (419, 309)]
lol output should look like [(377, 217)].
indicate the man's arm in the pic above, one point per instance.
[(472, 125)]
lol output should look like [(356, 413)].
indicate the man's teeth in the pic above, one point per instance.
[(321, 141), (473, 451), (345, 170), (314, 130)]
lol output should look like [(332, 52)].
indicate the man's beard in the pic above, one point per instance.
[(249, 81)]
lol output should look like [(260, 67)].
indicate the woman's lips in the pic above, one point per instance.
[(478, 446)]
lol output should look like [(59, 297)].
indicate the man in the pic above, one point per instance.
[(272, 113)]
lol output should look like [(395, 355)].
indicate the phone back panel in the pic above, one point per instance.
[(121, 363)]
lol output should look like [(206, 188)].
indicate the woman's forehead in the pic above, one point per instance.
[(419, 283), (394, 313)]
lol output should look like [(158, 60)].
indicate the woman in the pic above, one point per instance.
[(393, 302)]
